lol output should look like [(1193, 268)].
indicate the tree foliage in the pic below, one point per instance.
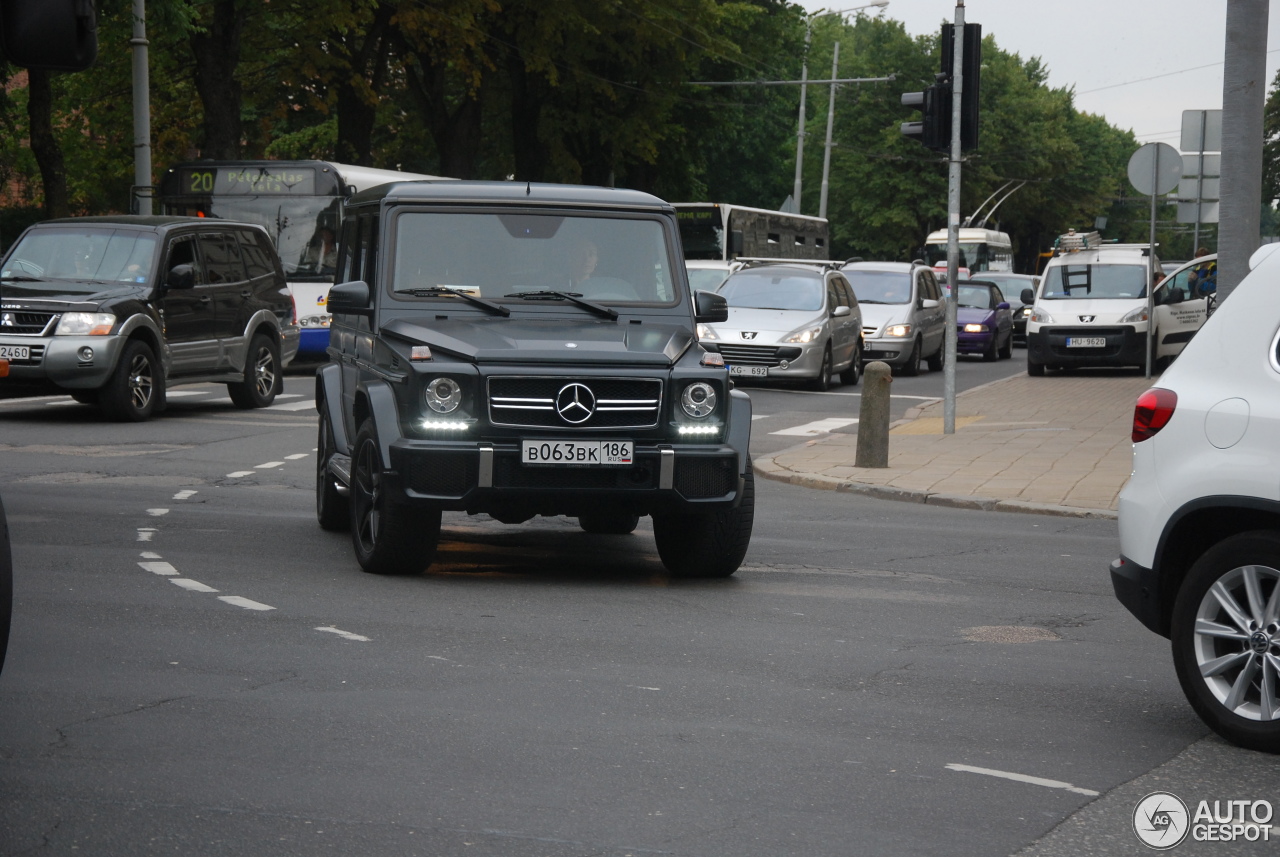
[(593, 91)]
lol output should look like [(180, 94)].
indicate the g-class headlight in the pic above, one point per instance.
[(698, 399), (443, 395), (85, 324)]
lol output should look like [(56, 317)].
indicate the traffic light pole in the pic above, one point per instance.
[(953, 225)]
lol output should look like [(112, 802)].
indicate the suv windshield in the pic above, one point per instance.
[(500, 256), (880, 287), (1095, 281), (765, 290), (56, 255)]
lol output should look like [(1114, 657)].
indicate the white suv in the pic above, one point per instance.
[(1200, 516)]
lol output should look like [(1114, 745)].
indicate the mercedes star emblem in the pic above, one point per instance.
[(575, 403)]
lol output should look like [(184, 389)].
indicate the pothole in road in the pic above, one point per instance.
[(1008, 634)]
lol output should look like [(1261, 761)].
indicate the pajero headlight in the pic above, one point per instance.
[(85, 324)]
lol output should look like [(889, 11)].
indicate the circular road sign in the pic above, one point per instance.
[(1155, 168)]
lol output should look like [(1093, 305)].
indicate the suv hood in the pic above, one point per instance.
[(499, 340), (80, 295)]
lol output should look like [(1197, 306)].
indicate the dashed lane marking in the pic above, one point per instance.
[(269, 465), (1023, 778), (149, 555), (817, 427), (145, 533), (346, 635), (293, 406), (185, 495), (158, 567), (193, 585), (297, 455), (237, 601), (155, 513), (239, 473)]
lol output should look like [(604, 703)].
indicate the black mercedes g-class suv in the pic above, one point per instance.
[(521, 349), (115, 309)]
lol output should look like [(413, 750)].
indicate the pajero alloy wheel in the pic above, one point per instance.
[(131, 393), (388, 537), (708, 545), (1226, 639), (262, 377)]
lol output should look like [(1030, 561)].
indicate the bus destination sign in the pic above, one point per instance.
[(248, 181)]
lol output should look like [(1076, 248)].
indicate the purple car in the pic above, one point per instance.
[(984, 322)]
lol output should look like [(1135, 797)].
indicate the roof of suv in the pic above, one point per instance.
[(899, 267), (523, 193), (137, 221)]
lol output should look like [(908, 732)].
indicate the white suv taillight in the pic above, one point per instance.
[(1152, 412)]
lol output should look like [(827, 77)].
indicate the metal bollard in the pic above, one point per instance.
[(873, 417)]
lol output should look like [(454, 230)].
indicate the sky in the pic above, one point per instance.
[(1139, 63)]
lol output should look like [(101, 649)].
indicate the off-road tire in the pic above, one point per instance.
[(388, 537), (707, 545), (263, 378), (130, 394), (333, 510)]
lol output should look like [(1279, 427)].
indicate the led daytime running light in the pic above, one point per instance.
[(444, 425), (703, 431)]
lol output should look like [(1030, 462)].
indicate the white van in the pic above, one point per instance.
[(1091, 306)]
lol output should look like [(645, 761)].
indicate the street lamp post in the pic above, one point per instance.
[(804, 77)]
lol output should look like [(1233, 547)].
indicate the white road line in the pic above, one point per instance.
[(237, 601), (1023, 778), (269, 465), (817, 427), (149, 555), (292, 406), (193, 585), (31, 400), (155, 513), (145, 533), (290, 396), (63, 402), (182, 394), (297, 455), (223, 400), (185, 495), (346, 635), (239, 473), (837, 393), (158, 567), (755, 417)]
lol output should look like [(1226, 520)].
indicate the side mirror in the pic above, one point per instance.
[(1002, 305), (709, 308), (181, 277), (350, 298), (840, 312), (928, 303), (1028, 296)]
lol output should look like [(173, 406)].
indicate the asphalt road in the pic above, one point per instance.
[(196, 668)]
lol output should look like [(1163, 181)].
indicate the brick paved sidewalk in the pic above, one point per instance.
[(1056, 445)]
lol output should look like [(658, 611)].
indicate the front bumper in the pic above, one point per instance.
[(891, 349), (785, 361), (1138, 589), (973, 343), (1125, 346), (490, 478), (55, 361)]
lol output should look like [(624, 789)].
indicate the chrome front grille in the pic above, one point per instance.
[(27, 322), (574, 403), (750, 355)]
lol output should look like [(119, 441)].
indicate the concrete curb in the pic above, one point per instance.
[(767, 468)]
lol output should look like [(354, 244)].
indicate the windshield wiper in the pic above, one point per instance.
[(575, 297), (436, 291), (20, 278)]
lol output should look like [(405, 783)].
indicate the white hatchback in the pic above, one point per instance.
[(1200, 516)]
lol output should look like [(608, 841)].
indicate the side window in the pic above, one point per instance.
[(847, 297), (369, 248), (222, 258), (257, 259), (833, 296), (997, 296), (183, 252)]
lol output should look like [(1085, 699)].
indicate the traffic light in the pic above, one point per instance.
[(971, 68), (933, 131), (58, 35)]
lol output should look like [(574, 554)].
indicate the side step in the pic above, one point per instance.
[(340, 470)]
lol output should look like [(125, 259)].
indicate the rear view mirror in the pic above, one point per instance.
[(57, 35), (710, 308)]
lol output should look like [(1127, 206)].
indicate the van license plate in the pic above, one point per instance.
[(1086, 342), (15, 352), (579, 453), (750, 371)]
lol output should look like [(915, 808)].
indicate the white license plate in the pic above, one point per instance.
[(1086, 342), (15, 352), (579, 453), (750, 371)]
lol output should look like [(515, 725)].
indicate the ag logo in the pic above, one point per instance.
[(575, 403), (1161, 821), (748, 334), (1087, 318)]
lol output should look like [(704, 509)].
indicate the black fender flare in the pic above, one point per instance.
[(382, 409), (329, 401), (740, 427)]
